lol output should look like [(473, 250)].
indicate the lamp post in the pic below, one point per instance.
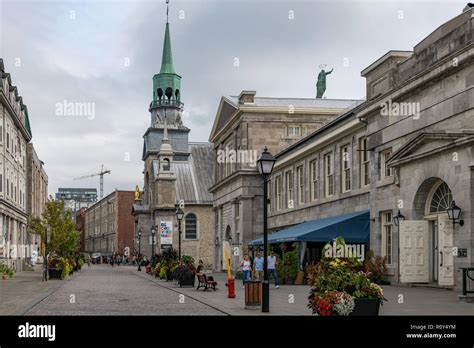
[(396, 221), (265, 166), (179, 217), (139, 250), (454, 213), (397, 218), (153, 231)]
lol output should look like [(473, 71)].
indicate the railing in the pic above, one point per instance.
[(166, 102)]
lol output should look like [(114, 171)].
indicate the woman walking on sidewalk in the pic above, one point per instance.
[(246, 267)]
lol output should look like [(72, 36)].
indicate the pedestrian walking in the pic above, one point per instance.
[(271, 267), (258, 266), (246, 267)]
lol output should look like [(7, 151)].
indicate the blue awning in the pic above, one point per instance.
[(353, 227)]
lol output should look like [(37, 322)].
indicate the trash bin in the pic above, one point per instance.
[(253, 294)]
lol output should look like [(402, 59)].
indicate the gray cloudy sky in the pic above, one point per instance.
[(77, 51)]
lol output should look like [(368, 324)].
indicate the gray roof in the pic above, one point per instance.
[(195, 175), (299, 102)]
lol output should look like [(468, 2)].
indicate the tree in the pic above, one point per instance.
[(64, 239)]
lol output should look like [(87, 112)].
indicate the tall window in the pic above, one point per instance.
[(329, 174), (313, 167), (387, 245), (289, 189), (385, 171), (300, 174), (279, 193), (345, 169), (364, 162), (293, 131), (190, 226)]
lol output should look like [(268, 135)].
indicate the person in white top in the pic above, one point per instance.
[(271, 267), (246, 267)]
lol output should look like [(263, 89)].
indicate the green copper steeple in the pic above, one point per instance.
[(167, 84), (167, 59)]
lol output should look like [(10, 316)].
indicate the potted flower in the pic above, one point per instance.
[(184, 274), (340, 286), (6, 272)]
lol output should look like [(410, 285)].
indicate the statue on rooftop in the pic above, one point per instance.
[(321, 84)]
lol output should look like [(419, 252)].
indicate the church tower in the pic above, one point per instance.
[(166, 106)]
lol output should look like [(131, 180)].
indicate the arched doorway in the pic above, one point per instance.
[(426, 242)]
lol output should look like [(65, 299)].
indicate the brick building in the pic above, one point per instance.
[(109, 224)]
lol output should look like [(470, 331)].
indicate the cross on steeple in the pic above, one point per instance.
[(167, 9)]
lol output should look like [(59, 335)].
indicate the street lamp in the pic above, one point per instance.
[(179, 217), (153, 231), (397, 218), (265, 166), (454, 212), (139, 250)]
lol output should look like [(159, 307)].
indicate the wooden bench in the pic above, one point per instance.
[(205, 283)]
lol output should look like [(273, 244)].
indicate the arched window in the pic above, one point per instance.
[(160, 94), (191, 226), (176, 94), (441, 199), (227, 233), (169, 93)]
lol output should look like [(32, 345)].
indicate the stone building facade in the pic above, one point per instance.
[(176, 173), (408, 148), (243, 127), (15, 133), (109, 224), (37, 191)]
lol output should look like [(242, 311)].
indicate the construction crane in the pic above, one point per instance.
[(101, 174)]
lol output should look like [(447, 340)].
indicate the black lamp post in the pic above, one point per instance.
[(139, 250), (153, 231), (179, 217), (397, 218), (454, 213), (265, 166)]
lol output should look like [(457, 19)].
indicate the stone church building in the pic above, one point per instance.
[(176, 172)]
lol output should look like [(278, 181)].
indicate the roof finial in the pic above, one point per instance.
[(167, 9)]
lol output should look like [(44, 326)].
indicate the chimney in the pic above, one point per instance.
[(247, 97)]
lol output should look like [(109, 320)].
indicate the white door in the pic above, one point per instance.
[(414, 251), (445, 247)]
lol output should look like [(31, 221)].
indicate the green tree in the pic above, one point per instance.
[(64, 239)]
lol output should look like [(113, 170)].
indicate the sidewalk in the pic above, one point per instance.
[(293, 299), (24, 290)]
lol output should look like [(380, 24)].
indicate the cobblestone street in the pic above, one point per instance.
[(103, 290)]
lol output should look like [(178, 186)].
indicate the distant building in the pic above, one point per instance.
[(15, 133), (109, 224), (77, 198), (37, 191)]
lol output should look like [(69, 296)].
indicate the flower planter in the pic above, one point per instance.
[(55, 273), (186, 282), (366, 307), (169, 276), (289, 281)]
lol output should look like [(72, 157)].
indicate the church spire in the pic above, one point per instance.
[(167, 58)]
